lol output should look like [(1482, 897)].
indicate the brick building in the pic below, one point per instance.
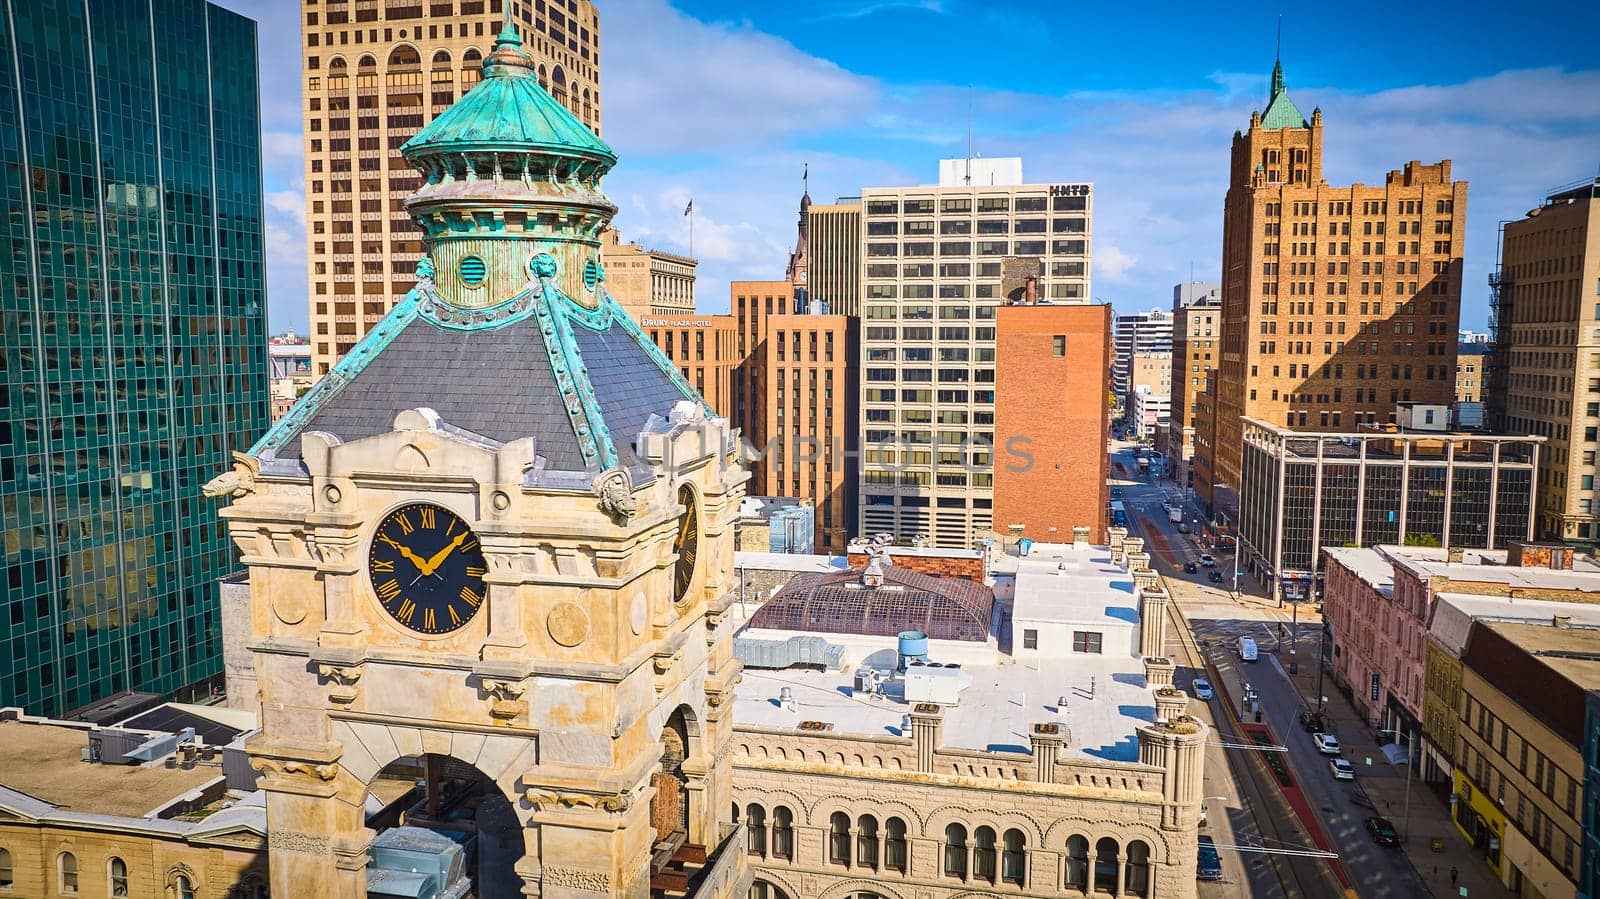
[(1546, 364), (703, 349), (1196, 346), (373, 76), (1052, 420), (1337, 302)]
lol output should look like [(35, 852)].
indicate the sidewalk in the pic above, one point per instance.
[(1385, 785)]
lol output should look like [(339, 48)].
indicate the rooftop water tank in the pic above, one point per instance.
[(913, 645)]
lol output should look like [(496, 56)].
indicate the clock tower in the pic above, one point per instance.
[(496, 542)]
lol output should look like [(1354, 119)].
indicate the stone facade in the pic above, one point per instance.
[(228, 865), (584, 680), (935, 802)]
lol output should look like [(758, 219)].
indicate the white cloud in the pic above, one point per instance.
[(1111, 263), (729, 114), (675, 84)]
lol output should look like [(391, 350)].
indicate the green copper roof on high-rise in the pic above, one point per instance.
[(1281, 111), (508, 110)]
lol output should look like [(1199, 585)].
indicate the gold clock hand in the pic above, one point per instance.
[(413, 558), (438, 558)]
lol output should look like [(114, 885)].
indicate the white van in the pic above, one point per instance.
[(1247, 649)]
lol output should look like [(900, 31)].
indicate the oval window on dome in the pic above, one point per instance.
[(473, 271)]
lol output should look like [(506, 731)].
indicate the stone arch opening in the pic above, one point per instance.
[(669, 803), (420, 806)]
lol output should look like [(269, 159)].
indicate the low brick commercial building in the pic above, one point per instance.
[(1378, 605)]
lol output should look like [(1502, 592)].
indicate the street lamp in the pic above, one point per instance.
[(1236, 553), (1405, 821)]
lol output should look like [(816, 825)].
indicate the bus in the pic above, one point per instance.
[(1119, 514)]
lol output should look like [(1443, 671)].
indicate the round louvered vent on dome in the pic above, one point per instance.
[(473, 271)]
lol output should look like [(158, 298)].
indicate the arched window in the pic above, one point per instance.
[(558, 85), (67, 868), (441, 59), (782, 832), (867, 841), (983, 853), (117, 876), (5, 869), (763, 890), (404, 55), (839, 838), (183, 887), (1136, 881), (955, 851), (253, 886), (894, 845), (471, 68), (1014, 857), (755, 825), (1078, 862), (1105, 865)]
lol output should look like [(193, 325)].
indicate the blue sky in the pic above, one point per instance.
[(725, 101)]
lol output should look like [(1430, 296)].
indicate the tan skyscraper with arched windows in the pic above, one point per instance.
[(373, 73)]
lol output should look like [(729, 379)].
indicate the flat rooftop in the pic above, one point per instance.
[(1106, 700), (45, 761), (1075, 583), (1489, 567), (1453, 614)]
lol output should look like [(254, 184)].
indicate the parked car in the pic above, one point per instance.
[(1383, 832), (1190, 568), (1214, 576), (1209, 862), (1208, 560), (1202, 689), (1342, 770), (1116, 493), (1183, 527), (1327, 744), (1313, 722)]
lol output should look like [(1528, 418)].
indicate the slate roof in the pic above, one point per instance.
[(497, 382)]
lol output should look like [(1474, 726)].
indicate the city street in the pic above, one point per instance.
[(1218, 620)]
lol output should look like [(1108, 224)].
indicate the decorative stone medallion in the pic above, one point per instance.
[(568, 624)]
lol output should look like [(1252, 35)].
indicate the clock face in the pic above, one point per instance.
[(427, 568), (687, 545)]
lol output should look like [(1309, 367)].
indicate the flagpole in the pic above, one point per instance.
[(691, 232)]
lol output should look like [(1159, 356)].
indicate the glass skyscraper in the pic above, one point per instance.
[(132, 338)]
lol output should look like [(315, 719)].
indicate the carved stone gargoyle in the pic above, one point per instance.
[(240, 481)]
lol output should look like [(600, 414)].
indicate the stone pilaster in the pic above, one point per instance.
[(1152, 621), (1158, 671), (927, 732), (1045, 742)]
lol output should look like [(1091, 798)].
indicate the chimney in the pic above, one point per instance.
[(1453, 554), (1032, 290)]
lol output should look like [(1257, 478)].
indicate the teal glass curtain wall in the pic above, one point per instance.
[(132, 338)]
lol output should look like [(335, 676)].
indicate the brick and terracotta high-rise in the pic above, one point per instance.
[(1337, 302), (373, 73)]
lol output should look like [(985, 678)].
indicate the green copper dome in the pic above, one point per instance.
[(509, 112), (1281, 111)]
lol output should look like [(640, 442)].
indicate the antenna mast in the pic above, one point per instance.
[(969, 135)]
